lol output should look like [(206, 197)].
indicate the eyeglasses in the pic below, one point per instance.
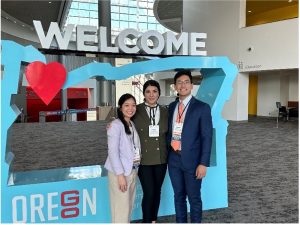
[(183, 82)]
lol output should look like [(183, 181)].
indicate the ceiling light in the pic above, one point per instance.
[(290, 1), (249, 11), (50, 2), (15, 21)]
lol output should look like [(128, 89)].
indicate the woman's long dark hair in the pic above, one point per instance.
[(121, 101)]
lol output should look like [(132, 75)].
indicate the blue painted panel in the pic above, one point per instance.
[(26, 199)]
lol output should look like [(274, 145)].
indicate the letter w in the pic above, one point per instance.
[(54, 30)]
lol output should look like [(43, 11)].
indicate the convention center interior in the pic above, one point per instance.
[(244, 59)]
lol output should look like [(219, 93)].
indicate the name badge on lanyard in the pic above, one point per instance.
[(177, 130), (137, 155), (136, 150), (153, 131)]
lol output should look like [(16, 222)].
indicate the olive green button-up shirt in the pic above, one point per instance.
[(153, 149)]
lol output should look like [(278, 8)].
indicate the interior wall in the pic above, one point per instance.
[(221, 21), (242, 96), (269, 46), (284, 90), (268, 94), (294, 87), (276, 86)]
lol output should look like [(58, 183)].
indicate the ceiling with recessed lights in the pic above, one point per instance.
[(24, 12), (168, 12)]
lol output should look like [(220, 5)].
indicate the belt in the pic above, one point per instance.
[(135, 167), (177, 152)]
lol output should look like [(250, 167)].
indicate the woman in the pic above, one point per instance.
[(123, 160), (151, 122)]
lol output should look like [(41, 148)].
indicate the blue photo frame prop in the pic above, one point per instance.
[(59, 200)]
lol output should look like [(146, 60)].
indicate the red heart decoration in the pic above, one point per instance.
[(46, 79)]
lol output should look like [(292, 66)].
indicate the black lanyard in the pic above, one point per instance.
[(152, 114), (180, 115)]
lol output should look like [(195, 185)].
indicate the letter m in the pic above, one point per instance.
[(53, 31)]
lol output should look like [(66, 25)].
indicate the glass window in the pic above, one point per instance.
[(132, 3), (93, 14), (124, 10), (132, 25), (160, 28), (151, 26), (74, 5), (74, 12), (124, 17), (124, 2), (136, 14), (142, 18), (151, 19), (150, 12), (142, 11), (150, 5), (132, 11), (115, 16), (142, 4), (73, 20), (143, 26), (94, 22), (114, 2), (84, 21), (114, 8), (132, 18), (115, 23), (83, 5), (83, 13), (94, 7), (123, 24)]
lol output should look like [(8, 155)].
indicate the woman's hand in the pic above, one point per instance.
[(108, 126), (122, 183)]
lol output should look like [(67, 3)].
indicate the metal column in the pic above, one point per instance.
[(105, 88), (64, 96)]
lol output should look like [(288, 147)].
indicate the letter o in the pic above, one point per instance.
[(73, 212), (121, 38), (157, 39)]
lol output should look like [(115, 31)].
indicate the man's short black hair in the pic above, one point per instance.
[(181, 73)]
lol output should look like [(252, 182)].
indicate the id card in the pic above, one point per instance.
[(137, 156), (177, 128), (153, 131)]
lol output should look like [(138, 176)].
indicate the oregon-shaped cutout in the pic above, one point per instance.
[(216, 88)]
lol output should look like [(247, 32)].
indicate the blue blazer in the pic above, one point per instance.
[(196, 139)]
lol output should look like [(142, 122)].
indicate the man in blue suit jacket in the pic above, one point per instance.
[(190, 141)]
